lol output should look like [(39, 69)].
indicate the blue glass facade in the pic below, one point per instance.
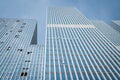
[(19, 59), (115, 24), (75, 49), (109, 32)]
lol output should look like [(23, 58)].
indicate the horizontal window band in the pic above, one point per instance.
[(71, 25)]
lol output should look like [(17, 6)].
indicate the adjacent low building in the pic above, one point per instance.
[(20, 56)]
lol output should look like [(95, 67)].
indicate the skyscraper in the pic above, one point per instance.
[(76, 49), (115, 24), (109, 32)]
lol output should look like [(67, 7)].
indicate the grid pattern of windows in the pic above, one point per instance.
[(11, 38), (78, 53), (18, 59), (26, 64), (75, 53), (108, 31), (116, 25), (74, 49), (65, 15)]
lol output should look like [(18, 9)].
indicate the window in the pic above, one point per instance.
[(6, 34), (23, 23), (17, 36), (20, 50), (27, 60), (22, 27), (8, 48), (10, 30), (5, 25), (25, 68), (17, 20), (29, 52), (20, 30), (1, 42), (23, 74)]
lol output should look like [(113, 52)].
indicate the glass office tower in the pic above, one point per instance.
[(76, 50), (19, 58), (115, 24), (112, 34)]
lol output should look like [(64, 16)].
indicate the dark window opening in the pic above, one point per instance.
[(23, 23), (27, 60), (20, 50), (25, 68), (24, 74), (17, 36), (17, 20), (1, 42), (11, 31), (29, 52), (6, 34), (22, 27), (8, 48), (20, 30), (5, 25)]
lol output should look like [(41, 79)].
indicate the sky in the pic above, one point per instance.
[(105, 10)]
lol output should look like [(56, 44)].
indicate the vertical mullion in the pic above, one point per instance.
[(48, 40), (46, 37), (53, 40)]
